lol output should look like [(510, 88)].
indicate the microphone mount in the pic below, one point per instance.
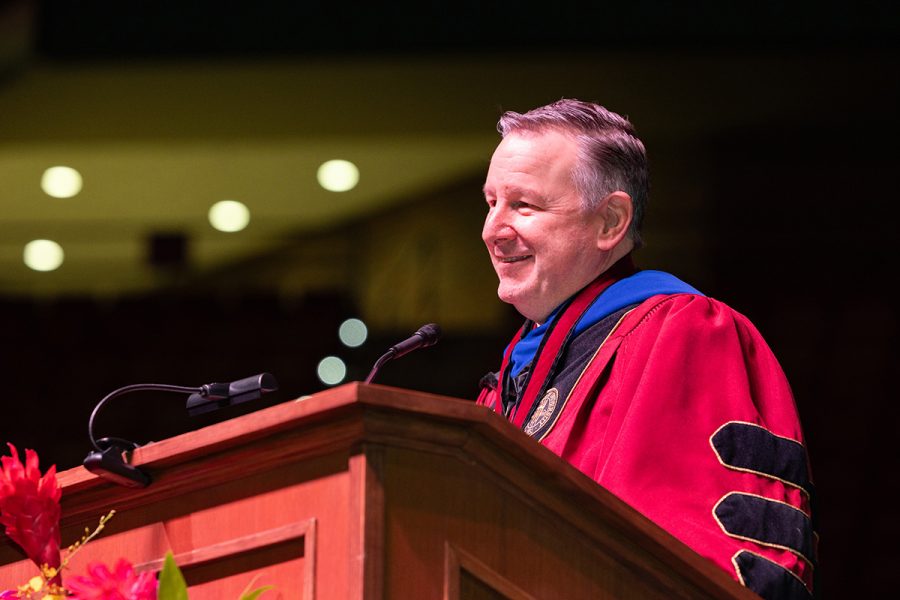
[(108, 459), (427, 335)]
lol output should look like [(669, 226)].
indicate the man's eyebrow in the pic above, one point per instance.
[(513, 190)]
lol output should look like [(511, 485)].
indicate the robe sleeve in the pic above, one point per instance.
[(692, 422)]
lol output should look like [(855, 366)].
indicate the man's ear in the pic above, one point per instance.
[(616, 212)]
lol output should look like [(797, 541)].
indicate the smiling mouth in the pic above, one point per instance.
[(513, 259)]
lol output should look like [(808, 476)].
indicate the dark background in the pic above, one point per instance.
[(804, 244)]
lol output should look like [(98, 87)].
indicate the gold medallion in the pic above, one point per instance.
[(544, 412)]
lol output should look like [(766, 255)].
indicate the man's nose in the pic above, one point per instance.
[(496, 227)]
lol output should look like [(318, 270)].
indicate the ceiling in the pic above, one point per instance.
[(158, 144), (166, 111)]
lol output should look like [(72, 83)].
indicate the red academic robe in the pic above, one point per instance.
[(685, 414)]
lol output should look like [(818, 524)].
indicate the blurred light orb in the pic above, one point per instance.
[(229, 216), (331, 370), (338, 175), (43, 255), (353, 333), (61, 182)]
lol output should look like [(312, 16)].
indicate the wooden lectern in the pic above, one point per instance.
[(371, 492)]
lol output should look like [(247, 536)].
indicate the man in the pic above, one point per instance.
[(667, 398)]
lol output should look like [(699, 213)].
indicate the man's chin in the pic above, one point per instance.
[(515, 297), (510, 296)]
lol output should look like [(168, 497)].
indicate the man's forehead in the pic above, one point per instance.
[(535, 150), (523, 161)]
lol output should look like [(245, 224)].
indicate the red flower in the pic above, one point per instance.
[(29, 507), (120, 584)]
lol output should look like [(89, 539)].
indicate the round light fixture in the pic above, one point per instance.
[(61, 182), (338, 175), (43, 255), (229, 216)]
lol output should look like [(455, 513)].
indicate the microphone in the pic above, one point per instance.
[(213, 396), (427, 335), (108, 460)]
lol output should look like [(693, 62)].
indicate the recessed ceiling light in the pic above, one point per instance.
[(338, 175), (229, 216), (43, 255), (61, 182)]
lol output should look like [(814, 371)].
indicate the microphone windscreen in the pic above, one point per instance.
[(431, 333)]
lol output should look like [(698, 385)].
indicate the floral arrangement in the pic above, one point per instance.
[(30, 513)]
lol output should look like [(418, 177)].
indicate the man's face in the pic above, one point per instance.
[(542, 242)]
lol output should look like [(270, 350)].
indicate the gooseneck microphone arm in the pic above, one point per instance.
[(427, 335), (378, 364), (138, 387), (108, 458)]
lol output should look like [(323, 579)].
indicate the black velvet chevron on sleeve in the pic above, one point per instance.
[(766, 522), (749, 447), (768, 579)]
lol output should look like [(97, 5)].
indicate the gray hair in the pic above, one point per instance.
[(610, 156)]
